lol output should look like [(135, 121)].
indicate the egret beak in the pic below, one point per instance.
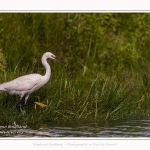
[(58, 59)]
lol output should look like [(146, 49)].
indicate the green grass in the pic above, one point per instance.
[(106, 76), (73, 98)]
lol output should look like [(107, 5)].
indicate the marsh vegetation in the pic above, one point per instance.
[(107, 71)]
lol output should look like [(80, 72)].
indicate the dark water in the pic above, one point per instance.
[(134, 128)]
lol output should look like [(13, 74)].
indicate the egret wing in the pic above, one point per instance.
[(23, 83)]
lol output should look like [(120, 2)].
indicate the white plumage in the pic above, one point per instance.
[(27, 84)]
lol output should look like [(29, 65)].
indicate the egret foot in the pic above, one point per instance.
[(35, 104), (40, 104)]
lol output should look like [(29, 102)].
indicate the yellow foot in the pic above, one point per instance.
[(40, 104)]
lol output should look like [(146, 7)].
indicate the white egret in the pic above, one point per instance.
[(27, 84)]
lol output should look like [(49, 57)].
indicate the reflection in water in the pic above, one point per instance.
[(135, 128)]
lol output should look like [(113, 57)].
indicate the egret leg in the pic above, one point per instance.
[(25, 103), (19, 103), (20, 106), (26, 98)]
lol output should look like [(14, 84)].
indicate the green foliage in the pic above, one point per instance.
[(68, 98), (2, 62), (108, 42), (107, 72)]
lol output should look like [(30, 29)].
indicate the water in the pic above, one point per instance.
[(134, 128)]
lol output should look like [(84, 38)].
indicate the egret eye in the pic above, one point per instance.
[(53, 56)]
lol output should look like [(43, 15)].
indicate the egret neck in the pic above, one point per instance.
[(47, 67)]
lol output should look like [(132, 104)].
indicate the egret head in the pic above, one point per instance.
[(52, 56)]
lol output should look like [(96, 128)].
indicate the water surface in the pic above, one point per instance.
[(134, 128)]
